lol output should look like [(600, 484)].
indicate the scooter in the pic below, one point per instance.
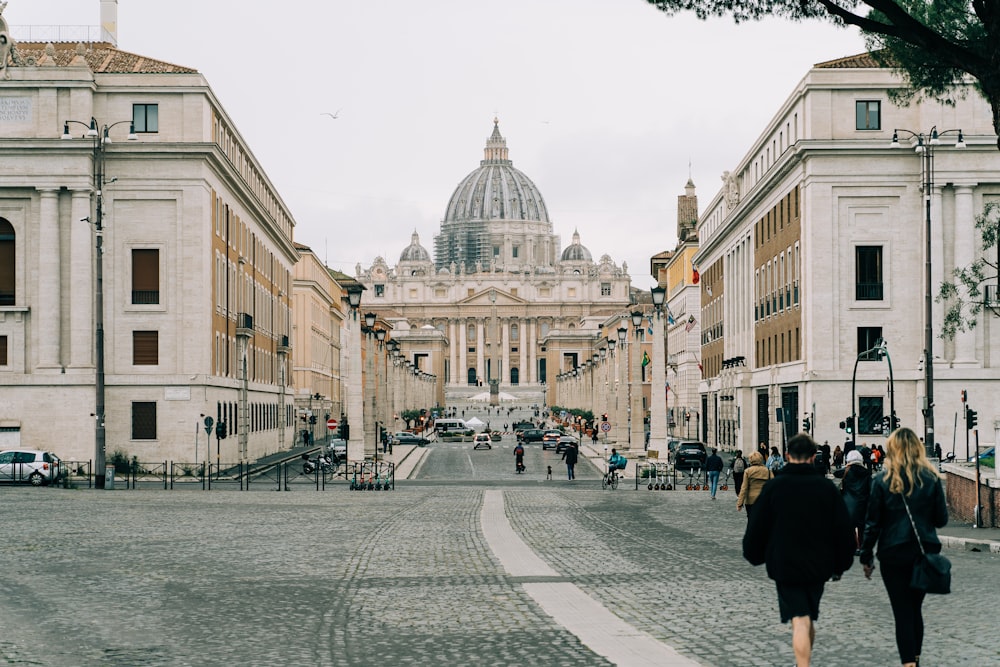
[(725, 483), (322, 462)]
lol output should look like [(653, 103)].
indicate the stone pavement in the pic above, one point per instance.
[(423, 575)]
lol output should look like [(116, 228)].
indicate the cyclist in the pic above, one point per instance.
[(616, 461)]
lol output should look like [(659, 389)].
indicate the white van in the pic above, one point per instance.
[(447, 424)]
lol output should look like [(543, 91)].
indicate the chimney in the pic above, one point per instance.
[(109, 21)]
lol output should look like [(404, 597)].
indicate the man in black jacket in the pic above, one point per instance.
[(801, 530)]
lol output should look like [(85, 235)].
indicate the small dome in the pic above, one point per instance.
[(576, 252), (415, 252)]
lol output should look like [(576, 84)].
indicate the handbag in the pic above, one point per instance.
[(931, 572)]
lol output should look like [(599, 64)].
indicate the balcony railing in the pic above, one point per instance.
[(145, 297), (868, 291)]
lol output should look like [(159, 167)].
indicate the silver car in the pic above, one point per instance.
[(30, 465)]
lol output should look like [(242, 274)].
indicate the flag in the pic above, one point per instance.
[(645, 359), (695, 276), (690, 323), (670, 315), (650, 329)]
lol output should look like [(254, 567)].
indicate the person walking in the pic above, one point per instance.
[(762, 448), (827, 456), (754, 479), (801, 530), (713, 466), (775, 462), (908, 486), (738, 466), (838, 457), (570, 456), (855, 486)]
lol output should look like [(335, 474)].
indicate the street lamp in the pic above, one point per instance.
[(658, 386), (100, 138), (355, 400), (925, 147)]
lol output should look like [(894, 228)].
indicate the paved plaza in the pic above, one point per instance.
[(465, 564)]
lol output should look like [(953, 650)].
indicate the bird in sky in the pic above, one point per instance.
[(334, 116)]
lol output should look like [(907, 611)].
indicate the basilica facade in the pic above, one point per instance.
[(501, 302)]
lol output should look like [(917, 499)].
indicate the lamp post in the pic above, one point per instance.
[(355, 398), (637, 430), (368, 382), (925, 148), (101, 139), (621, 391), (658, 387)]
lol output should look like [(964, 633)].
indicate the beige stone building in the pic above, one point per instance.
[(502, 301), (197, 263)]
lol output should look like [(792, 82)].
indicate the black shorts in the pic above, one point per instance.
[(799, 600)]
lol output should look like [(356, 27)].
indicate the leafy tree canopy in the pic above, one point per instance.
[(965, 296), (933, 44)]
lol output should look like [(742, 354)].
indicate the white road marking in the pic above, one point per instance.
[(598, 628)]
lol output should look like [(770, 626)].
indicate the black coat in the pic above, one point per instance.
[(856, 488), (800, 528), (888, 525), (570, 455)]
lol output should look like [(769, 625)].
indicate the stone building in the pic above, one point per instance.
[(504, 301), (197, 260), (815, 250)]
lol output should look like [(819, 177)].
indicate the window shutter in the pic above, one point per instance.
[(145, 348)]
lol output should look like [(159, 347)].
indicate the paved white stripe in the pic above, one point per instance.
[(596, 627)]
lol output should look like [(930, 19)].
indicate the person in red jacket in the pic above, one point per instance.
[(800, 528)]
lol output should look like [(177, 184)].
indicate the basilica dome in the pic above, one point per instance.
[(415, 252), (496, 190), (576, 252)]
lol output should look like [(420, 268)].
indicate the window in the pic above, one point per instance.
[(145, 276), (6, 263), (379, 290), (146, 118), (514, 251), (143, 420), (145, 348), (868, 273), (868, 337), (868, 115), (605, 289), (496, 251), (870, 412), (3, 351)]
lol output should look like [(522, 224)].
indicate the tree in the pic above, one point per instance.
[(934, 45), (965, 296)]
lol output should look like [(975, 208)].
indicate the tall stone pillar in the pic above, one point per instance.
[(481, 351), (965, 250), (47, 314), (504, 374), (937, 270), (463, 352), (453, 352), (81, 287)]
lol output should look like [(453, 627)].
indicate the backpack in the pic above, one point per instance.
[(739, 464)]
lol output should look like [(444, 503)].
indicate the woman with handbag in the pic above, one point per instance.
[(905, 507)]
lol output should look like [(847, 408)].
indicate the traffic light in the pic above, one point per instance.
[(220, 430), (849, 425), (886, 424), (971, 419), (806, 425), (687, 416), (895, 421), (604, 417), (312, 419), (965, 396)]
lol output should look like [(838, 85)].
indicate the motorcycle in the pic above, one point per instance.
[(322, 462)]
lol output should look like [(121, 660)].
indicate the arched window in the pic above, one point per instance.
[(471, 335), (6, 263), (513, 333)]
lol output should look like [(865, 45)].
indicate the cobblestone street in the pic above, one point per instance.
[(411, 577)]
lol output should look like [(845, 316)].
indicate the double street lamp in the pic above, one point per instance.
[(658, 386), (925, 144), (101, 138)]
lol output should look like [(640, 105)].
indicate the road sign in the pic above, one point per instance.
[(605, 426), (208, 425), (331, 424)]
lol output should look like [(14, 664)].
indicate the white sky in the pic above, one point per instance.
[(604, 103)]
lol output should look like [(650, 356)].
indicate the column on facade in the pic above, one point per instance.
[(528, 343), (47, 313), (621, 394), (81, 294), (463, 351), (937, 269), (637, 432), (453, 352), (481, 350), (504, 375), (965, 250)]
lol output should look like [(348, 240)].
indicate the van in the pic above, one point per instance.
[(450, 425)]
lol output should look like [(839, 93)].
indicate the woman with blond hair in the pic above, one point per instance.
[(754, 479), (907, 486)]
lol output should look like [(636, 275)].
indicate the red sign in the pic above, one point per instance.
[(331, 424)]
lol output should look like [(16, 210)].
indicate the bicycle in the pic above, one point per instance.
[(611, 479)]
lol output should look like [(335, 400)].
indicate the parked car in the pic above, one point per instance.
[(482, 441), (337, 448), (522, 426), (690, 455), (551, 439), (529, 435), (407, 438), (30, 465), (565, 441)]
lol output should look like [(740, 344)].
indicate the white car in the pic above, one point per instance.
[(30, 465), (482, 441), (337, 448)]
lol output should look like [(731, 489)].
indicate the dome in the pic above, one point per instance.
[(576, 252), (415, 252), (496, 190)]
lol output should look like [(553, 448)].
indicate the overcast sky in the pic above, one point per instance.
[(607, 105)]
